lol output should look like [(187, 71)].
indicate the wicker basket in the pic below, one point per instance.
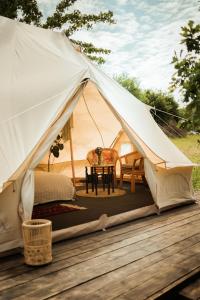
[(37, 242)]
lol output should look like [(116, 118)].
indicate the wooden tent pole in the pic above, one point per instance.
[(72, 157), (117, 138)]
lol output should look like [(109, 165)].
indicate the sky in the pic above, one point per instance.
[(144, 38)]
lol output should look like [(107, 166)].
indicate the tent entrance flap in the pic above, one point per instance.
[(67, 136), (27, 191)]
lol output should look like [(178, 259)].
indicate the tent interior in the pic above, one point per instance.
[(92, 124)]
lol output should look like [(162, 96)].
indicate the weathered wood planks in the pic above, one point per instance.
[(191, 290), (138, 260)]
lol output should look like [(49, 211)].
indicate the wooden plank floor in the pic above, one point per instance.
[(139, 260)]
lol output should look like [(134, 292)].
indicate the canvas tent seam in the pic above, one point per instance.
[(103, 144)]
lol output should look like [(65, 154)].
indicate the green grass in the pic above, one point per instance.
[(191, 148)]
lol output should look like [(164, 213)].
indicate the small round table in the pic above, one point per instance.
[(105, 171)]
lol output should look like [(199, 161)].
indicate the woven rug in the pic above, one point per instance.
[(101, 193), (47, 210)]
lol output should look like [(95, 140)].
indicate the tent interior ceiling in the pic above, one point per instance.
[(89, 129)]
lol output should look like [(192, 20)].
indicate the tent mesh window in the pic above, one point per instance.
[(37, 241)]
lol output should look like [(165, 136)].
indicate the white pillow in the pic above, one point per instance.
[(51, 186)]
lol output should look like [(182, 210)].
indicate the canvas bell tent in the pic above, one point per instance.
[(44, 82)]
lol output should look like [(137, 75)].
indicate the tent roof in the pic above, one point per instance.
[(40, 71)]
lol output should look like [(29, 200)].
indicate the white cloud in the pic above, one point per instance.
[(85, 6), (126, 23), (121, 2), (47, 7), (144, 38), (90, 6), (104, 39), (113, 37), (149, 56)]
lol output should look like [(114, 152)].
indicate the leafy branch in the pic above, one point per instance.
[(64, 17)]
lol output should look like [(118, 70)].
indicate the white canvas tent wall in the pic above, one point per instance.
[(41, 82)]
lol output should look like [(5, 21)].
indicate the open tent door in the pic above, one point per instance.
[(97, 122), (67, 136)]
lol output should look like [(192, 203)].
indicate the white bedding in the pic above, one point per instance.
[(51, 186)]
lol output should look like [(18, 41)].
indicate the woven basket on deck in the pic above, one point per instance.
[(37, 242)]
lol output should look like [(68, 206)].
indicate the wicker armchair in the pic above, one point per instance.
[(132, 166), (109, 156)]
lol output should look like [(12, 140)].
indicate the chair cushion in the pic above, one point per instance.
[(107, 157), (129, 167)]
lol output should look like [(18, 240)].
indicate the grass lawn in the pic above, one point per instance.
[(191, 148)]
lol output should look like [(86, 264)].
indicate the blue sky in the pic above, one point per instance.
[(143, 39)]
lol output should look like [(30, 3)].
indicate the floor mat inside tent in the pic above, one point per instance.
[(95, 207)]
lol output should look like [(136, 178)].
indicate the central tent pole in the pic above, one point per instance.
[(70, 141), (72, 157)]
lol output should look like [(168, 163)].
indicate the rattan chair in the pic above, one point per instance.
[(132, 167), (109, 157)]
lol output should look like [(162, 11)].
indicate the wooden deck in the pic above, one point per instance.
[(138, 260)]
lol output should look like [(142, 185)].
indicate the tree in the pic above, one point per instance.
[(28, 11), (131, 84), (186, 122), (24, 10), (163, 103), (187, 75), (157, 99), (166, 112)]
